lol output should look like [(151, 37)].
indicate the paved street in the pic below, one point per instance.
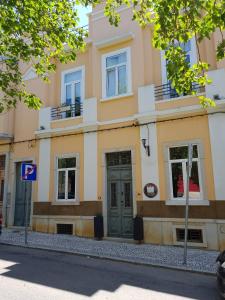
[(37, 274), (156, 255)]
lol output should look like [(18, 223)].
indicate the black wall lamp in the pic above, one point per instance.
[(147, 147)]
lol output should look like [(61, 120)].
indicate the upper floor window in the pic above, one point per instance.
[(191, 57), (116, 73), (178, 159), (73, 86)]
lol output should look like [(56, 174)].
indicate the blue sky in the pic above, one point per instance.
[(82, 14)]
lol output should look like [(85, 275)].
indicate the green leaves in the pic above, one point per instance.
[(176, 22), (38, 32), (43, 32)]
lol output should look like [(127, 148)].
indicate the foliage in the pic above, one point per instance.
[(176, 22), (38, 31)]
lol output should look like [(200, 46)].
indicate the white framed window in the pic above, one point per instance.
[(116, 73), (72, 89), (66, 179), (178, 158)]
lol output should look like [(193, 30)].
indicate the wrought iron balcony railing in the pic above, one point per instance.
[(66, 111), (166, 91)]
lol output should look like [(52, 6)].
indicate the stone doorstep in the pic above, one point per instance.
[(125, 260)]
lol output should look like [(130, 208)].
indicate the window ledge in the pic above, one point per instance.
[(180, 98), (117, 97), (64, 119), (65, 202), (191, 202)]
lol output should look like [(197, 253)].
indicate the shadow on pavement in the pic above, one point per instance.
[(86, 276)]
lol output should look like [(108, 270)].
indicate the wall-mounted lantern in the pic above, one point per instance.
[(146, 146)]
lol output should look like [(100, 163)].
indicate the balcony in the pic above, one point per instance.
[(166, 91), (66, 111)]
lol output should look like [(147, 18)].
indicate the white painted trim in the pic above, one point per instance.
[(202, 228), (146, 99), (77, 69), (184, 162), (181, 220), (163, 67), (90, 113), (76, 168), (201, 169), (69, 119), (147, 117), (118, 97), (30, 74), (128, 70), (114, 40), (217, 86), (44, 170), (98, 15), (57, 217), (149, 164), (217, 142), (191, 202), (90, 166), (180, 98), (45, 118)]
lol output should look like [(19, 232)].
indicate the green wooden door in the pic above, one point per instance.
[(120, 202), (22, 193)]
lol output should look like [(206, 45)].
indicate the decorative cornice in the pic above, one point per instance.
[(114, 40)]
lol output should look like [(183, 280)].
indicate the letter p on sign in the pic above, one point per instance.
[(28, 172)]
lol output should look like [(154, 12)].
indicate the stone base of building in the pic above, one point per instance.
[(82, 226), (159, 231), (164, 232)]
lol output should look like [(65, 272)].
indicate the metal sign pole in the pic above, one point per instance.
[(26, 214), (189, 167), (28, 173)]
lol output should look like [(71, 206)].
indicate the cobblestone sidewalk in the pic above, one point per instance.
[(166, 256)]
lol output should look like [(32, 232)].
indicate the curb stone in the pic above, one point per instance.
[(125, 260)]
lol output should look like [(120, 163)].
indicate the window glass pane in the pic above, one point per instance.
[(177, 180), (186, 46), (127, 194), (71, 184), (116, 59), (111, 83), (68, 94), (194, 187), (67, 162), (195, 151), (74, 76), (61, 184), (113, 194), (182, 152), (179, 152), (122, 80), (188, 59), (77, 92)]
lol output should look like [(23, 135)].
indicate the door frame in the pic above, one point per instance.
[(5, 195), (104, 183), (13, 195)]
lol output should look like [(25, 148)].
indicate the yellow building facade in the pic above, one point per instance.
[(112, 139)]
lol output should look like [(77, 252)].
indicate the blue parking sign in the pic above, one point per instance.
[(28, 172)]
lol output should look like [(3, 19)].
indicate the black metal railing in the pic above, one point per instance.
[(67, 111), (166, 91)]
